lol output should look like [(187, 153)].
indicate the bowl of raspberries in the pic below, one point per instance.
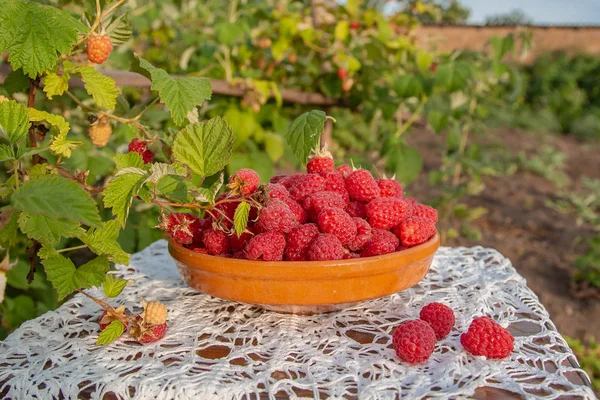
[(312, 242)]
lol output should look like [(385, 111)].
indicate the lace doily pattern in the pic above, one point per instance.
[(216, 349)]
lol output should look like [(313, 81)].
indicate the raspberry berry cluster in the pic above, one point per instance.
[(146, 327), (327, 213), (414, 340)]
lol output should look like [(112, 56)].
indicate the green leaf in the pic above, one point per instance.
[(55, 85), (47, 230), (240, 218), (408, 85), (57, 197), (8, 227), (274, 146), (16, 82), (113, 286), (60, 271), (129, 160), (102, 88), (6, 153), (119, 193), (119, 30), (92, 273), (111, 333), (205, 147), (35, 35), (424, 60), (453, 75), (103, 241), (437, 120), (60, 129), (384, 30), (208, 195), (180, 95), (160, 170), (342, 30), (14, 121), (406, 162), (304, 134)]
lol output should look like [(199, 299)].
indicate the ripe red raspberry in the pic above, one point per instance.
[(298, 241), (387, 212), (297, 210), (317, 202), (363, 235), (344, 169), (153, 334), (382, 242), (414, 341), (291, 180), (354, 25), (350, 255), (98, 48), (268, 246), (440, 317), (183, 228), (277, 191), (414, 231), (337, 222), (326, 247), (216, 242), (306, 186), (486, 337), (421, 210), (277, 216), (342, 73), (244, 181), (321, 162), (400, 248), (277, 178), (141, 147), (240, 255), (200, 250), (389, 187), (335, 182), (357, 209), (433, 67), (238, 243), (362, 186)]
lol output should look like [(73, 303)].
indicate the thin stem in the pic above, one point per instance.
[(97, 22), (87, 187), (83, 246), (145, 109), (412, 118)]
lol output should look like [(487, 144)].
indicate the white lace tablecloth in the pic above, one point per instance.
[(216, 349)]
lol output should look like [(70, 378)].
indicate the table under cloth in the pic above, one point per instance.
[(217, 349)]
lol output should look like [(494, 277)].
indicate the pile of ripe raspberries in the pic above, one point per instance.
[(327, 213)]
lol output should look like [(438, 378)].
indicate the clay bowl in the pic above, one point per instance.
[(304, 287)]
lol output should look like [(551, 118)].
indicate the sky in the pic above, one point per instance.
[(565, 12)]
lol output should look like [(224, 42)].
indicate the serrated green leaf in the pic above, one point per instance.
[(6, 153), (14, 121), (437, 120), (35, 35), (160, 170), (111, 333), (55, 85), (304, 133), (91, 274), (60, 271), (207, 195), (8, 227), (29, 151), (174, 188), (129, 160), (57, 197), (103, 241), (240, 218), (16, 82), (119, 194), (205, 147), (113, 286), (408, 85), (180, 95), (101, 87), (119, 30), (47, 230), (56, 121)]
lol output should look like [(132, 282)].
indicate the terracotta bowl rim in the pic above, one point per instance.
[(199, 261)]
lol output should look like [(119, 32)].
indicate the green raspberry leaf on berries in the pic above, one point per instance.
[(47, 230), (102, 88), (304, 133), (129, 160), (57, 197), (55, 85), (205, 147), (14, 121), (103, 241), (240, 218), (111, 333), (119, 193), (180, 95), (113, 286), (35, 35)]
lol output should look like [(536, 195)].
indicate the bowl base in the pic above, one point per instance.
[(305, 309)]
